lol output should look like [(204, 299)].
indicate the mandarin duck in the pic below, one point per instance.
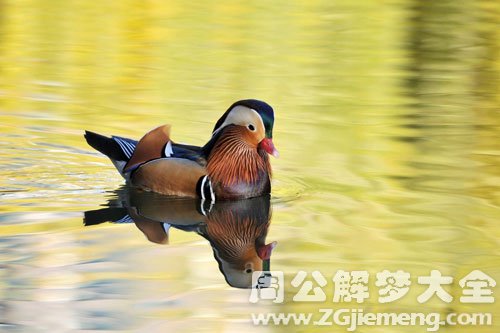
[(233, 164), (236, 230)]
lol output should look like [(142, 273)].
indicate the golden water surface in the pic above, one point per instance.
[(387, 121)]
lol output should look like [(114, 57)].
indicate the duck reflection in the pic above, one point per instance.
[(236, 230)]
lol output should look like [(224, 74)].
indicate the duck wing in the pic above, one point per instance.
[(157, 144)]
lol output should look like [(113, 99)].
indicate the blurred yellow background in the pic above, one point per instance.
[(387, 120)]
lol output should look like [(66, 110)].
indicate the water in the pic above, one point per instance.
[(386, 120)]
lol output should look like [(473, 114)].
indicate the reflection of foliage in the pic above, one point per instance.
[(454, 83)]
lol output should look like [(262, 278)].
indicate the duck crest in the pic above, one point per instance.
[(233, 161)]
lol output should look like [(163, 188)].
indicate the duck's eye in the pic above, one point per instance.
[(251, 127), (248, 270)]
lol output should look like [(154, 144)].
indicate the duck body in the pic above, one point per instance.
[(234, 164)]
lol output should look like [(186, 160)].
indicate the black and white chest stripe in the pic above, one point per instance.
[(204, 189)]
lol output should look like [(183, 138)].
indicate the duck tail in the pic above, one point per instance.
[(114, 215), (105, 145), (118, 149)]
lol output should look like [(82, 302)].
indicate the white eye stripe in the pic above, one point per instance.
[(242, 115)]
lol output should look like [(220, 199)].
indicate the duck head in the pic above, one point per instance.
[(237, 153), (257, 117)]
